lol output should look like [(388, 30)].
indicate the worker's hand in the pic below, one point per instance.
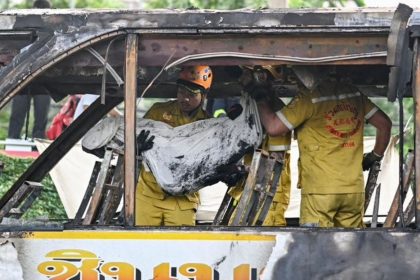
[(234, 174), (369, 159), (234, 111), (99, 152), (144, 141), (259, 92)]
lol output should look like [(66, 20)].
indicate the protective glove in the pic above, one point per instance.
[(99, 152), (144, 142), (259, 92), (234, 174), (234, 111), (369, 159)]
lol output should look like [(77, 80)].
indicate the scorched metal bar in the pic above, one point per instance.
[(130, 127), (156, 49), (49, 158), (416, 95)]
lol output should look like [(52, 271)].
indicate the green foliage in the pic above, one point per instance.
[(321, 3), (306, 4), (4, 121), (360, 3), (5, 4), (96, 4), (47, 205), (62, 4), (392, 110), (207, 4), (238, 4)]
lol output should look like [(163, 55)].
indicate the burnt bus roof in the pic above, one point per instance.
[(62, 52)]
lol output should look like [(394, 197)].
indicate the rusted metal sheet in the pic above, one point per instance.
[(279, 49), (308, 34), (197, 19), (397, 35), (399, 56), (130, 127)]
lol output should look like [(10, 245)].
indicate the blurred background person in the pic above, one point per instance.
[(21, 104)]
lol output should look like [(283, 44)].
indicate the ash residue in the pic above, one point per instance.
[(173, 166), (251, 121), (349, 255)]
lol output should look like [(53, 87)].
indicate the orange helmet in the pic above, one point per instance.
[(196, 77)]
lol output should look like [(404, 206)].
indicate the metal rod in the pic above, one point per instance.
[(108, 66), (276, 57), (376, 207), (49, 158), (416, 96), (401, 157), (130, 127)]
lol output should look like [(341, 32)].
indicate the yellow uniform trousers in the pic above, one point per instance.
[(332, 210), (275, 216), (150, 214)]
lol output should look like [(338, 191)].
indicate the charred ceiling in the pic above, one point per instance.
[(64, 52)]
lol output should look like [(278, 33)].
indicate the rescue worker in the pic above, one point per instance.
[(329, 122), (260, 79), (153, 206), (278, 147)]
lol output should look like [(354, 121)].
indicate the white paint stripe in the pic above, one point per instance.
[(186, 235), (335, 97), (278, 148), (145, 166), (371, 113), (284, 120)]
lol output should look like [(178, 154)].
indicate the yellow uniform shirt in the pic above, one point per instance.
[(170, 113), (329, 122)]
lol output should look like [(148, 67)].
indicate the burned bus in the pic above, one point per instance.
[(126, 56)]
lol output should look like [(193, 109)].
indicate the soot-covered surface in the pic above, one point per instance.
[(333, 254)]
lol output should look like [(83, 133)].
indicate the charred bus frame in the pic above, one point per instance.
[(67, 52)]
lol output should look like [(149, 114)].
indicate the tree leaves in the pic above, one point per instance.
[(47, 205)]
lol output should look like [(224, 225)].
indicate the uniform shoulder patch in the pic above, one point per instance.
[(167, 116)]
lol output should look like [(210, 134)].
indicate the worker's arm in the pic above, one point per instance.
[(114, 113), (383, 124), (271, 122)]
